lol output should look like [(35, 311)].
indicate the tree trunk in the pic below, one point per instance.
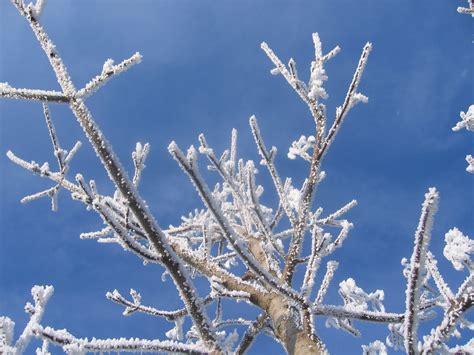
[(289, 329)]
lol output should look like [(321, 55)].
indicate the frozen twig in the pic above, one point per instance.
[(443, 288), (331, 268), (467, 10), (251, 333), (334, 216), (342, 111), (417, 264), (189, 165), (443, 331), (136, 306), (71, 344), (317, 243), (467, 118), (344, 313), (109, 70), (41, 295), (30, 94), (268, 160), (322, 144), (118, 175)]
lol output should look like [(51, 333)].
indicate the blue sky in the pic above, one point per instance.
[(203, 71)]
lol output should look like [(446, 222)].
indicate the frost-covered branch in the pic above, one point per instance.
[(118, 175), (467, 122), (251, 333), (31, 94), (344, 313), (352, 98), (268, 158), (81, 193), (310, 94), (442, 332), (189, 165), (331, 268), (249, 211), (71, 344), (235, 243), (41, 295), (136, 306), (317, 243), (109, 70), (417, 264), (467, 10)]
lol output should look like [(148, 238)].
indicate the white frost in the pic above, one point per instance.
[(458, 248)]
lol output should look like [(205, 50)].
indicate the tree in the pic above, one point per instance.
[(245, 250)]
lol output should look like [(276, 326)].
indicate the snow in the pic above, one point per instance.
[(467, 120), (374, 348), (458, 249)]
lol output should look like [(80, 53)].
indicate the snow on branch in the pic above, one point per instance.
[(189, 165), (332, 218), (251, 333), (235, 218), (375, 348), (225, 169), (109, 70), (467, 10), (467, 122), (444, 330), (32, 94), (41, 296), (43, 171), (417, 264), (136, 306), (458, 249), (313, 90), (310, 94), (443, 288), (268, 160), (352, 98), (71, 344), (117, 174), (331, 268), (356, 299), (339, 312)]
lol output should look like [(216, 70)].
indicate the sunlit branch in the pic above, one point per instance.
[(118, 175), (417, 264), (67, 341), (30, 94)]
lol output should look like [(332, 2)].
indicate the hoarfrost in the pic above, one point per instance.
[(374, 348), (458, 249)]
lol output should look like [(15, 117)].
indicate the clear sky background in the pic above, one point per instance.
[(203, 71)]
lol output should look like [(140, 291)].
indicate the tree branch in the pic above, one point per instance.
[(417, 264), (117, 174)]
